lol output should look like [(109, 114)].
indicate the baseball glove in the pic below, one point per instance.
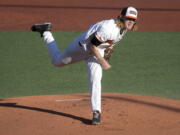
[(108, 53)]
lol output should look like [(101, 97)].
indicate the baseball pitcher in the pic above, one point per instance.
[(94, 46)]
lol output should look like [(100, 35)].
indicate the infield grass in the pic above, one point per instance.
[(144, 63)]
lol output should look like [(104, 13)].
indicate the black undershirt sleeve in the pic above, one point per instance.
[(95, 41)]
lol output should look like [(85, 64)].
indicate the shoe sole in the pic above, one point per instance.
[(34, 26), (96, 123)]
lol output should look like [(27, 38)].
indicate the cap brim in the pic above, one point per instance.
[(131, 17)]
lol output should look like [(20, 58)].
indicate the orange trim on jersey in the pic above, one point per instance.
[(110, 41), (99, 38)]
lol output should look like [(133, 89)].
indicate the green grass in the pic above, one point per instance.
[(145, 63)]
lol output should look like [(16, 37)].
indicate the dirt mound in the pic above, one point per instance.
[(71, 114)]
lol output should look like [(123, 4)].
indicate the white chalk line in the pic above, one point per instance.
[(70, 100)]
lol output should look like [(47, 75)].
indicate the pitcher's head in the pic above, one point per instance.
[(128, 16)]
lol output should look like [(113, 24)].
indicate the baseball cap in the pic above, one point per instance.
[(129, 12)]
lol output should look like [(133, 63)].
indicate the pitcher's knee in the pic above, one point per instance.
[(56, 63), (61, 62)]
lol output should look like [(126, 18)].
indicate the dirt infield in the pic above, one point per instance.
[(154, 15), (70, 115)]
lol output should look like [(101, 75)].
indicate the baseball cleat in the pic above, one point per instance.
[(41, 28), (96, 118)]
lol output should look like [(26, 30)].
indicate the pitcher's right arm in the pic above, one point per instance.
[(93, 47)]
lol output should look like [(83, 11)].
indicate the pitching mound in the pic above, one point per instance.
[(71, 115)]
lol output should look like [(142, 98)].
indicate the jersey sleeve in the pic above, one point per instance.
[(103, 33)]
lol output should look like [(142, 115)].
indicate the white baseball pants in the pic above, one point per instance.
[(74, 53)]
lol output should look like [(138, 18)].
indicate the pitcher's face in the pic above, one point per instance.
[(129, 24)]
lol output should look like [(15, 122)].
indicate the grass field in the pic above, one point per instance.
[(144, 63)]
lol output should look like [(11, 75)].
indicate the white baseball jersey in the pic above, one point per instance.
[(107, 32)]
